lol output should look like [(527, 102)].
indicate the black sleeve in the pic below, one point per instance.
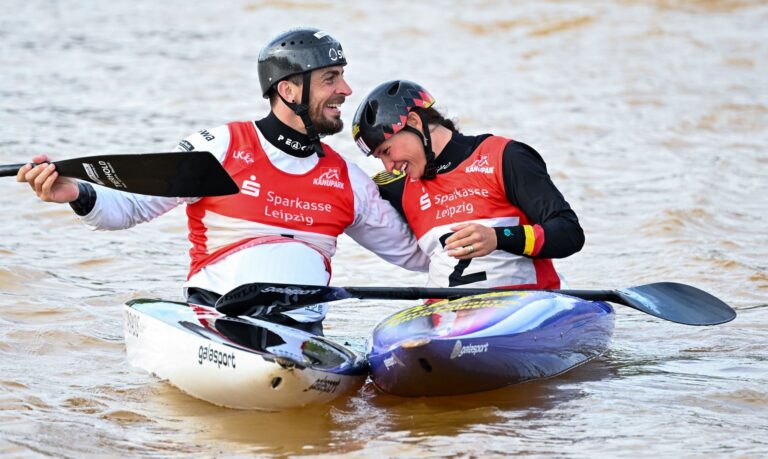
[(391, 188), (85, 201), (529, 187)]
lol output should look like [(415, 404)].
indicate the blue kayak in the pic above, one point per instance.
[(486, 342)]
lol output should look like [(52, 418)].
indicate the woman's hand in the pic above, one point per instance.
[(470, 240)]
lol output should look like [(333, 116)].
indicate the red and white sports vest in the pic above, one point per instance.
[(472, 192), (272, 205)]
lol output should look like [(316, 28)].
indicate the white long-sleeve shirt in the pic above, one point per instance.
[(376, 226)]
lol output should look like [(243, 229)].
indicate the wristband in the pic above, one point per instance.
[(510, 239), (525, 240)]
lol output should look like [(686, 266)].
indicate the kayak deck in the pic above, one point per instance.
[(486, 342)]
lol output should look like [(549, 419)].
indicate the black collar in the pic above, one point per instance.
[(457, 150), (284, 137)]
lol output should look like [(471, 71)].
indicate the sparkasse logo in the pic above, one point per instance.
[(424, 201), (251, 187)]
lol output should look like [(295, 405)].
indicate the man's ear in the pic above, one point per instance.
[(290, 92)]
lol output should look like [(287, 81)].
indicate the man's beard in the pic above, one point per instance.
[(323, 125), (328, 126)]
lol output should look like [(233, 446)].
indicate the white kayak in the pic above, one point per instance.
[(237, 362)]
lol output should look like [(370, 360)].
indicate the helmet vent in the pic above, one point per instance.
[(370, 112), (394, 88)]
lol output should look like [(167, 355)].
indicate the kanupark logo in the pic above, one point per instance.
[(330, 177), (480, 165)]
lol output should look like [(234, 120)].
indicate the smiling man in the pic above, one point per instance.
[(297, 195)]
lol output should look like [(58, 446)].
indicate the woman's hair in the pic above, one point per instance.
[(435, 117)]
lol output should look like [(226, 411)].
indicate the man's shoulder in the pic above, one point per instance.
[(206, 140)]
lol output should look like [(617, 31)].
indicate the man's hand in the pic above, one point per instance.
[(46, 183)]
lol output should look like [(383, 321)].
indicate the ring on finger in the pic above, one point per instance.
[(470, 248)]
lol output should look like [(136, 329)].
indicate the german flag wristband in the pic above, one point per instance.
[(525, 240)]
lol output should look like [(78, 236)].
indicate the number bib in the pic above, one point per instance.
[(472, 192)]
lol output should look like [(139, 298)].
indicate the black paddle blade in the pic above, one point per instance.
[(675, 302), (173, 174), (260, 298)]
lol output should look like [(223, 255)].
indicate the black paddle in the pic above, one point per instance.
[(174, 174), (666, 300)]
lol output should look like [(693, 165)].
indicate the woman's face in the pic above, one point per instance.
[(403, 152)]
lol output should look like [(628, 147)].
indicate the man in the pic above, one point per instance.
[(297, 194)]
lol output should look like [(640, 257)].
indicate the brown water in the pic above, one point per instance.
[(652, 117)]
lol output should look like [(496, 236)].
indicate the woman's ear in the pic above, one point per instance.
[(414, 120)]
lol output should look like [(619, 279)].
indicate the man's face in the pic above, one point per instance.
[(328, 90)]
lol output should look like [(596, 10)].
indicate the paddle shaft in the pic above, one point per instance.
[(10, 170), (417, 293), (671, 301)]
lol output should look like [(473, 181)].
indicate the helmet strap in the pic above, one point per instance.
[(302, 110), (430, 169)]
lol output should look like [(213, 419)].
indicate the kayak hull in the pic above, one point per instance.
[(486, 342), (237, 362)]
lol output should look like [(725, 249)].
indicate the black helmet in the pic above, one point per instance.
[(297, 51), (383, 112)]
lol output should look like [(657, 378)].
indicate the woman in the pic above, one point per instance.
[(482, 207)]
